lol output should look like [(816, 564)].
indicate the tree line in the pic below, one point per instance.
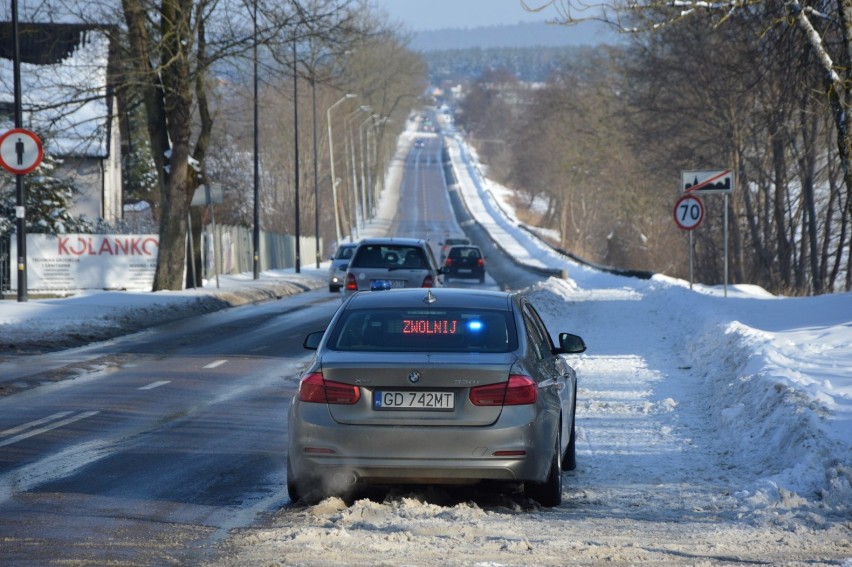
[(202, 84), (596, 152)]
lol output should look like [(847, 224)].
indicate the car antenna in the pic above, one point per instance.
[(429, 297)]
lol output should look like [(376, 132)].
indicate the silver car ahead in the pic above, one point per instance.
[(390, 263), (339, 263), (434, 386)]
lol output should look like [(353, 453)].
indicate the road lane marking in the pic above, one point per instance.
[(45, 429), (153, 385), (35, 423), (216, 364)]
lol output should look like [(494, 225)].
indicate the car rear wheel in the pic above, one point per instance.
[(294, 488), (569, 460), (549, 492), (299, 490)]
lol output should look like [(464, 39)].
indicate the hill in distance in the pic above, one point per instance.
[(517, 35)]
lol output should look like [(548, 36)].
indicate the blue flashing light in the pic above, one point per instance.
[(475, 326)]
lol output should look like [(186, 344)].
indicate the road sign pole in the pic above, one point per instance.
[(21, 234), (726, 245), (691, 251), (20, 208)]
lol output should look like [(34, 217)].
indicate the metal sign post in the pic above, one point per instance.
[(210, 194), (696, 182), (20, 153), (688, 214)]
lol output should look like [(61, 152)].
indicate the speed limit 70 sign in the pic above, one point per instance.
[(689, 212)]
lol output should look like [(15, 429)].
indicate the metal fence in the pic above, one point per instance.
[(228, 250)]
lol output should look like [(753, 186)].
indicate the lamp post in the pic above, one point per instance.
[(378, 127), (331, 159), (365, 181), (296, 156), (256, 227), (353, 170)]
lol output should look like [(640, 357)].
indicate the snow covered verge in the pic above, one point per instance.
[(40, 325), (703, 439)]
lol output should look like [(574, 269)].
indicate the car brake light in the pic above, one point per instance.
[(351, 284), (316, 389), (448, 262), (428, 281), (517, 391), (480, 262)]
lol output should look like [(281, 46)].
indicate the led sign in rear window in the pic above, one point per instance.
[(447, 330)]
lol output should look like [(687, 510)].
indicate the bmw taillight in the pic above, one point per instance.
[(315, 389), (518, 391), (351, 284), (428, 281)]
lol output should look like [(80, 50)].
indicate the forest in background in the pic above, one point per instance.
[(595, 150)]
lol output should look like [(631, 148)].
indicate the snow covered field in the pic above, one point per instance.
[(711, 430)]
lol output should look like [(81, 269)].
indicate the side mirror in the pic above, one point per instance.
[(570, 344), (312, 341)]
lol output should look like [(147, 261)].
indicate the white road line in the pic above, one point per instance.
[(216, 364), (35, 423), (153, 385), (50, 427)]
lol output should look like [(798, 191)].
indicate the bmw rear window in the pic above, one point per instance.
[(424, 330)]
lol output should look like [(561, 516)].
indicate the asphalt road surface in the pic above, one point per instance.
[(148, 449)]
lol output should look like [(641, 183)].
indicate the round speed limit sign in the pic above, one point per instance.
[(689, 212)]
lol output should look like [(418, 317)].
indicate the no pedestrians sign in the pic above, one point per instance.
[(20, 151)]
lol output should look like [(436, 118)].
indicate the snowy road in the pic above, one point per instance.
[(703, 438), (711, 431), (659, 479)]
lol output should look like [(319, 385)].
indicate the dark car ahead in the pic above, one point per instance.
[(391, 263), (452, 241), (434, 386), (465, 262)]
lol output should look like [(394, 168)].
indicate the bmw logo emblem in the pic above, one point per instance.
[(414, 377)]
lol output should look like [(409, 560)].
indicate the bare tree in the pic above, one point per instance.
[(826, 26)]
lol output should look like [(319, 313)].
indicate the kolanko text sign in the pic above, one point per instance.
[(70, 262)]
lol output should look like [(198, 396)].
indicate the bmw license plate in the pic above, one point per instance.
[(408, 400)]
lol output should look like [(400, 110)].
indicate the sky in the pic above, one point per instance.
[(721, 420), (421, 15)]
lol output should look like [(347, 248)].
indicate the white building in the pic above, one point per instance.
[(67, 100)]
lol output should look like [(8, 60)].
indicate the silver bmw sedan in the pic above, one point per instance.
[(434, 386)]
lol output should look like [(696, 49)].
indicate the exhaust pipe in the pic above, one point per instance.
[(343, 480)]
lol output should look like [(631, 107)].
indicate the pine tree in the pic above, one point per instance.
[(48, 200)]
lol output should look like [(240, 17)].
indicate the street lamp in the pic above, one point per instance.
[(373, 196), (331, 159), (255, 236), (365, 181), (350, 150)]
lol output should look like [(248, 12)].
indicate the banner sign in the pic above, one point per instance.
[(68, 262)]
